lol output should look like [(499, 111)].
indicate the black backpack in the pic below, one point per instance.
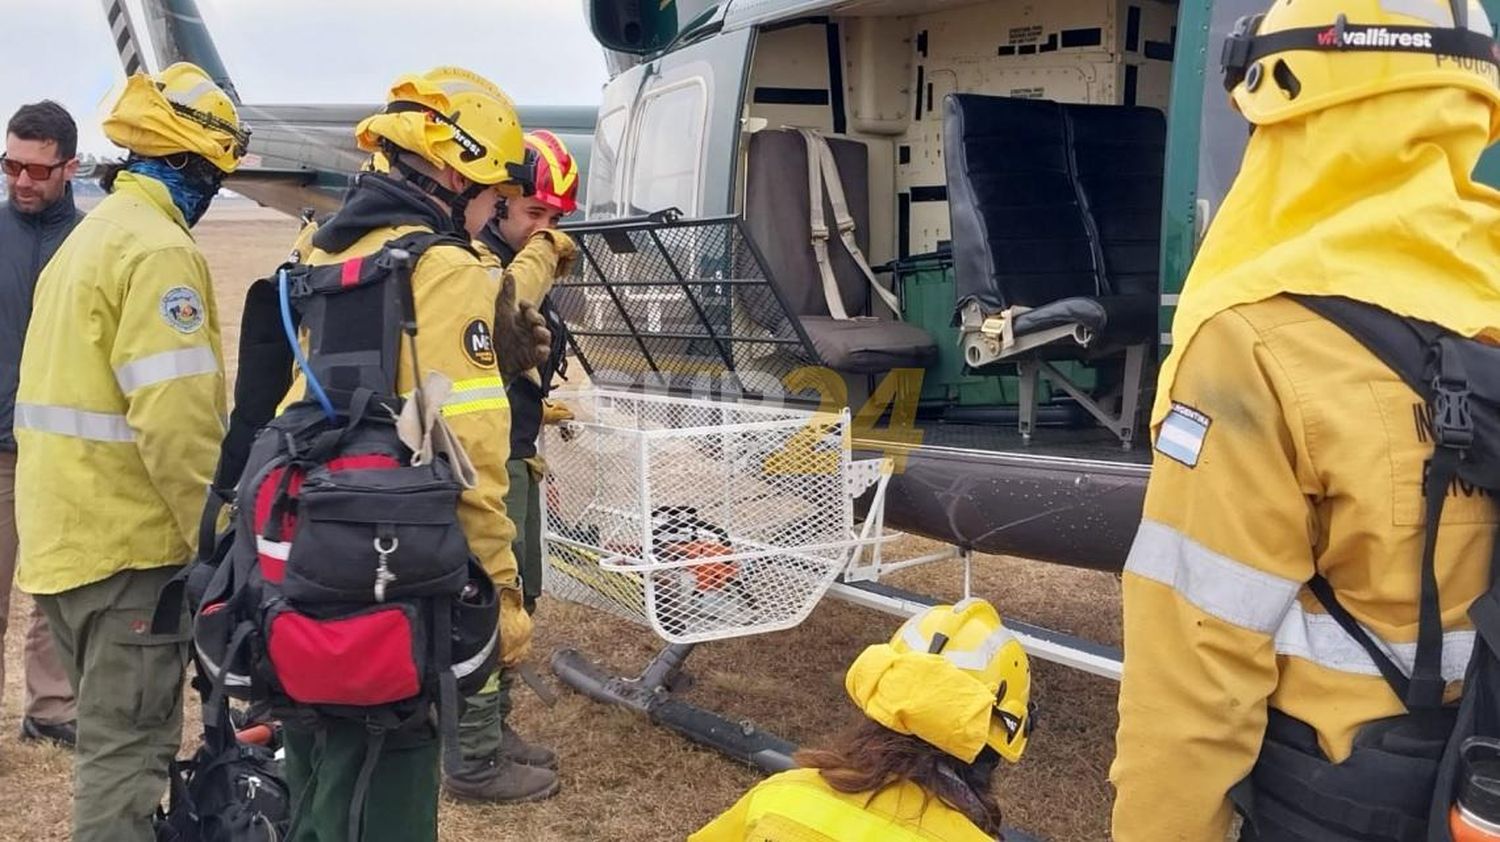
[(228, 791), (344, 586), (1400, 781)]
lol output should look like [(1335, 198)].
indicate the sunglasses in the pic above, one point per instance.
[(37, 172)]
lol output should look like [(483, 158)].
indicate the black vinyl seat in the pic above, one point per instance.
[(1056, 217)]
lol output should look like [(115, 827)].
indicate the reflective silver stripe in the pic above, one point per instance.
[(1220, 586), (232, 679), (1319, 638), (191, 95), (468, 395), (168, 365), (465, 667), (975, 659), (273, 549), (78, 423), (1253, 599)]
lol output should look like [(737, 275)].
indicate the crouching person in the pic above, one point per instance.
[(945, 701), (118, 423)]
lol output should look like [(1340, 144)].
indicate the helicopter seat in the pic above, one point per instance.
[(814, 254), (1056, 212)]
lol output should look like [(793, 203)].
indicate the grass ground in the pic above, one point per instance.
[(623, 779)]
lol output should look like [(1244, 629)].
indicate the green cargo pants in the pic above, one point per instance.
[(485, 711), (129, 688), (401, 803), (524, 506)]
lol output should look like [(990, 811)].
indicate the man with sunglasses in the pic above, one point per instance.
[(119, 417), (41, 142)]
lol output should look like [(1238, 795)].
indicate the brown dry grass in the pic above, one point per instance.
[(623, 779)]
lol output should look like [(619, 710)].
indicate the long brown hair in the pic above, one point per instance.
[(870, 757)]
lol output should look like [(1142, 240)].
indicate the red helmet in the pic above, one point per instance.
[(556, 171)]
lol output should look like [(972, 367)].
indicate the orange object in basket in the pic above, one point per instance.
[(707, 577)]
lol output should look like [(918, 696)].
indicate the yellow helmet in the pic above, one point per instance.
[(179, 110), (1303, 56), (952, 676), (455, 118)]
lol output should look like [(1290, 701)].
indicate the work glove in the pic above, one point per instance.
[(522, 339), (555, 412), (563, 245)]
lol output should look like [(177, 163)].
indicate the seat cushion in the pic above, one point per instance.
[(869, 346)]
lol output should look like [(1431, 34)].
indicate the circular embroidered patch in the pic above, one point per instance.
[(182, 308), (479, 343)]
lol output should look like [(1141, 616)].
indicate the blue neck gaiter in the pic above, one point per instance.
[(191, 196)]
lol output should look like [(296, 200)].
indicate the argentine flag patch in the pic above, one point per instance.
[(1182, 433)]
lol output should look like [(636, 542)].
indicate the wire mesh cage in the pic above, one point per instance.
[(700, 519), (683, 305)]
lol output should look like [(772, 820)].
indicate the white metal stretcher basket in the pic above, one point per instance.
[(700, 519)]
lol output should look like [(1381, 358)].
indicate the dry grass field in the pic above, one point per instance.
[(624, 780)]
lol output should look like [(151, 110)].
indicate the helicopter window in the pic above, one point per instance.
[(606, 152), (665, 172)]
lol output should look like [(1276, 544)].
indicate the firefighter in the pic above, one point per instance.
[(1286, 453), (501, 766), (118, 419), (944, 702), (445, 150)]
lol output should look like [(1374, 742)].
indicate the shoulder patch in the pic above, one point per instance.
[(479, 343), (1182, 434), (182, 309)]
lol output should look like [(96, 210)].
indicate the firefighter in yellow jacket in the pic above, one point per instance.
[(445, 150), (944, 702), (1284, 449), (119, 415)]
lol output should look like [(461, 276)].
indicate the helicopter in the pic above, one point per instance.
[(964, 224)]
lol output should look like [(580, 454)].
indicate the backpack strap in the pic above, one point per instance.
[(374, 742), (264, 377), (1426, 358)]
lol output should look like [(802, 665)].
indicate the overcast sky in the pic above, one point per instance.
[(279, 51)]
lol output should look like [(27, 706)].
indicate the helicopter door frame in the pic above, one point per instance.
[(720, 65)]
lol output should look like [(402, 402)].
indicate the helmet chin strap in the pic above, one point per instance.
[(457, 202)]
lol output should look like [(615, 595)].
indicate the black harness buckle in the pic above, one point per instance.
[(1452, 418), (1234, 59)]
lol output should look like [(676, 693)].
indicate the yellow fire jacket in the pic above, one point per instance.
[(455, 295), (798, 806), (1287, 449), (120, 409)]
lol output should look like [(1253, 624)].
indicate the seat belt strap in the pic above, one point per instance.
[(823, 174), (819, 228)]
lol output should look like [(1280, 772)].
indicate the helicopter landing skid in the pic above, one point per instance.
[(650, 694)]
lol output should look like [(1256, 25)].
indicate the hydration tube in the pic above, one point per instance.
[(291, 337)]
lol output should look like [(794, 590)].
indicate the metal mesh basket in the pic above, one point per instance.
[(700, 519)]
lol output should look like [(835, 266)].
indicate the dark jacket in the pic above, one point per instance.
[(525, 396), (27, 242)]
